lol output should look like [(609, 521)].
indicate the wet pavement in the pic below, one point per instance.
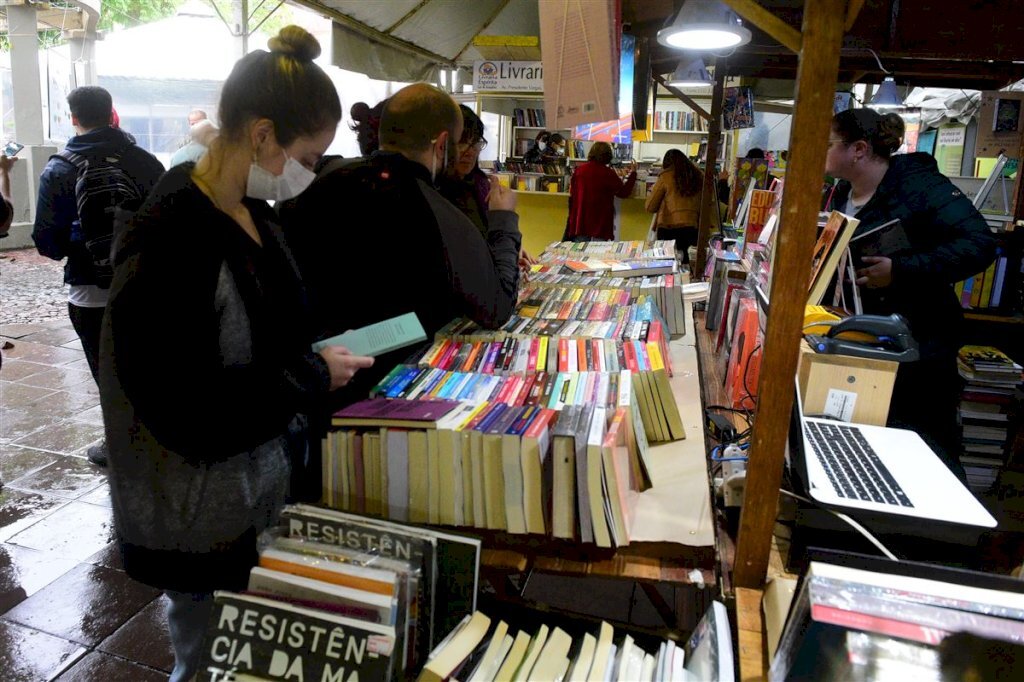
[(67, 609)]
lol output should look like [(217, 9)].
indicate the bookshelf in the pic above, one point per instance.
[(523, 137)]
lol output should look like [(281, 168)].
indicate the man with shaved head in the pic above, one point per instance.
[(374, 239)]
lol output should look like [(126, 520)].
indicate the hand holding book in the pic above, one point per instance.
[(877, 274), (343, 365)]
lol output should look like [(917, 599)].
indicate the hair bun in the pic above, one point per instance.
[(891, 130), (296, 42)]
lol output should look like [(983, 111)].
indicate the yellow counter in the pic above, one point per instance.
[(542, 217)]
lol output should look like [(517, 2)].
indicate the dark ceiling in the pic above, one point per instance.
[(976, 44)]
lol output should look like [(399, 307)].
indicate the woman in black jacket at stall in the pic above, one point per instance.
[(949, 241)]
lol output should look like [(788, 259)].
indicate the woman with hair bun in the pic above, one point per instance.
[(949, 241), (206, 369)]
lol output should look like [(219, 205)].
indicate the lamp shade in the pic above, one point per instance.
[(704, 25), (691, 73), (887, 96)]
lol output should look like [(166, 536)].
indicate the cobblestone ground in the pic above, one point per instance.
[(32, 288)]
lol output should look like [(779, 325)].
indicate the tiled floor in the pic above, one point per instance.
[(67, 610)]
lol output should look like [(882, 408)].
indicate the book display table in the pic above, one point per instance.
[(672, 556)]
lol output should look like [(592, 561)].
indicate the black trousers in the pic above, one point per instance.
[(684, 237), (87, 323)]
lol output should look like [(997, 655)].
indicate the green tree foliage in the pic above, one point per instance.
[(117, 14)]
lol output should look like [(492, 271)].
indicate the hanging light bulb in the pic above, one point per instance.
[(704, 25), (691, 73), (887, 96)]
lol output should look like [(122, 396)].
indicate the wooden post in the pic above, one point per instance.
[(816, 77), (709, 192)]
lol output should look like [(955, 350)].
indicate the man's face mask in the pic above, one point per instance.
[(450, 157)]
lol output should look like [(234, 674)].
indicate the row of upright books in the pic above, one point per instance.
[(985, 289), (529, 116), (481, 649), (571, 473), (991, 382), (679, 120), (341, 597)]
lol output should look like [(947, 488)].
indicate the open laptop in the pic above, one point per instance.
[(859, 467)]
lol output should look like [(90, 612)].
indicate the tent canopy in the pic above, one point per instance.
[(409, 40), (922, 42)]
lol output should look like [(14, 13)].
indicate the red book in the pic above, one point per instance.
[(531, 359), (877, 624), (435, 359), (537, 389), (445, 361), (524, 390), (629, 355), (596, 352), (563, 354)]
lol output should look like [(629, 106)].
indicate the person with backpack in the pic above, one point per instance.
[(100, 170)]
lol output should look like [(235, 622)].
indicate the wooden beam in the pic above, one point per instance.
[(709, 210), (686, 99), (794, 244), (852, 11), (767, 22)]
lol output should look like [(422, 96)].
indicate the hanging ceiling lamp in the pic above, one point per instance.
[(691, 73), (704, 25), (887, 97)]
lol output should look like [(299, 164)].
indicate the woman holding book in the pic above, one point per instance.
[(206, 367), (949, 241), (675, 199)]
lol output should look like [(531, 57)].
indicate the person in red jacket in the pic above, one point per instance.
[(591, 196)]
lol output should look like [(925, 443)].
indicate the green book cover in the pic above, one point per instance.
[(380, 337)]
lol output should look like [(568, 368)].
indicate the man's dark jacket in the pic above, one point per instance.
[(55, 232), (373, 239)]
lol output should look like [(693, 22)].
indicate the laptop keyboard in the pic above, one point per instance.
[(852, 466)]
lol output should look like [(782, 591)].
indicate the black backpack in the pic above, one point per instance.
[(101, 189)]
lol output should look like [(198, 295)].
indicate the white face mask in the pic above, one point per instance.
[(542, 145), (262, 184)]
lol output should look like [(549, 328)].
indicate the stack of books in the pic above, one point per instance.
[(856, 618), (566, 469), (341, 597), (481, 649), (991, 379)]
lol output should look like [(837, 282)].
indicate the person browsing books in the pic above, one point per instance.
[(206, 367), (592, 193), (374, 239), (675, 199), (467, 186), (949, 241)]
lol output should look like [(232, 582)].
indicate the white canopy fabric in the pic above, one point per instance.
[(409, 40)]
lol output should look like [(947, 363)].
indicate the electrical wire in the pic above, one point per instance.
[(884, 70), (856, 526)]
